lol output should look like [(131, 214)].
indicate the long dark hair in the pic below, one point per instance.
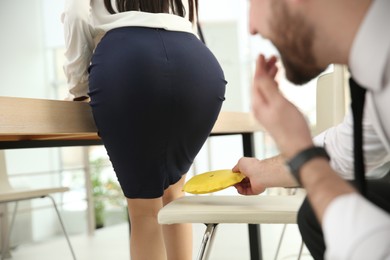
[(154, 6)]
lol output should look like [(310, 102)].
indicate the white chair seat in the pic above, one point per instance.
[(232, 209), (25, 194)]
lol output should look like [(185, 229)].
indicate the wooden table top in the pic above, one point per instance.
[(24, 119)]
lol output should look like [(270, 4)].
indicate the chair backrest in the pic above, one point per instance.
[(332, 98), (4, 182)]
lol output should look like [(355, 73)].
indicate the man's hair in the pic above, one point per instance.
[(154, 6)]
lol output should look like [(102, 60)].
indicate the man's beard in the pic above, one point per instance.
[(294, 40)]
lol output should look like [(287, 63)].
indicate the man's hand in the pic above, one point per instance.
[(284, 122), (251, 185)]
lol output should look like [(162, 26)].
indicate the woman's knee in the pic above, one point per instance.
[(144, 207)]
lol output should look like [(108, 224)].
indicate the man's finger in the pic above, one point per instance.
[(260, 66), (266, 89)]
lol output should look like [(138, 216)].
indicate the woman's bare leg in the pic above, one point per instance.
[(177, 237), (146, 239)]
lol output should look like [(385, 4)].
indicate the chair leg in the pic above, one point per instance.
[(6, 253), (280, 242), (206, 242), (62, 226), (301, 250)]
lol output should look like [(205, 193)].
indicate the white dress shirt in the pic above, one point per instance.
[(86, 22), (338, 141), (353, 227)]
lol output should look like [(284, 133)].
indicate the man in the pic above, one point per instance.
[(310, 35)]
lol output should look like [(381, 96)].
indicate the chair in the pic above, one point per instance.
[(332, 98), (214, 210), (10, 194)]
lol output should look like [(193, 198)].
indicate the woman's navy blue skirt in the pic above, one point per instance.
[(155, 96)]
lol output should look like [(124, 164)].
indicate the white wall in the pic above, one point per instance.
[(225, 26), (22, 67)]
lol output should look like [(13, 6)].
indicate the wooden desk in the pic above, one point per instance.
[(33, 123)]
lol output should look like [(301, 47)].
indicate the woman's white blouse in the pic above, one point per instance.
[(85, 23)]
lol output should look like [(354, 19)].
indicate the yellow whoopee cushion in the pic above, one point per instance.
[(212, 181)]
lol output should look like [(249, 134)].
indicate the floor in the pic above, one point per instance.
[(231, 243)]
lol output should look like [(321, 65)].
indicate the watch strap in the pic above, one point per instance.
[(296, 163)]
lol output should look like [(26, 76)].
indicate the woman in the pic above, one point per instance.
[(155, 92)]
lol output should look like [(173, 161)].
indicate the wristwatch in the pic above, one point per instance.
[(295, 163)]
